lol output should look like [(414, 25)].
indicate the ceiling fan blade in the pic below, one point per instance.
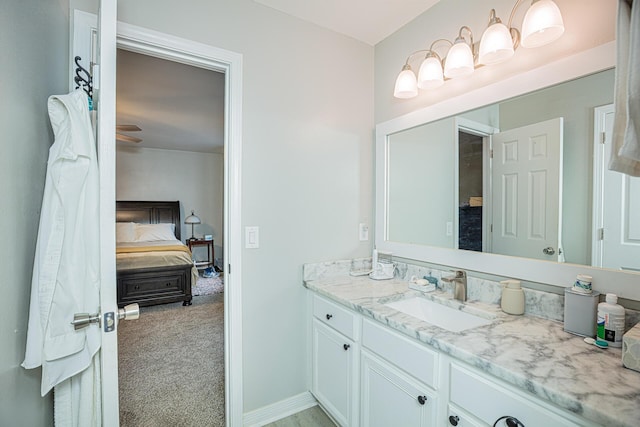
[(128, 128), (127, 138)]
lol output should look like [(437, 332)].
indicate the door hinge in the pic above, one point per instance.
[(491, 228), (603, 137), (491, 153), (601, 233), (228, 268)]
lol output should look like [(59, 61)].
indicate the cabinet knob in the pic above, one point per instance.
[(453, 420), (346, 347), (329, 316), (422, 399)]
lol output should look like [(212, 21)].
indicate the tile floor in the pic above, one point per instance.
[(312, 417)]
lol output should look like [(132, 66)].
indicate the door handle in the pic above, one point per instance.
[(548, 251)]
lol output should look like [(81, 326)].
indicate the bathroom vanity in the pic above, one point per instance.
[(373, 365)]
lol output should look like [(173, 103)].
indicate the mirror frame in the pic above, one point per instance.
[(624, 284)]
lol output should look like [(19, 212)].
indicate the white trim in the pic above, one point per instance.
[(173, 48), (106, 76), (599, 166), (279, 410), (485, 131), (624, 284)]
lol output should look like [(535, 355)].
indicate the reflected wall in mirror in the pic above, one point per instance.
[(444, 190)]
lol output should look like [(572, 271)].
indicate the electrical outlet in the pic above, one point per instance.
[(363, 230), (449, 228)]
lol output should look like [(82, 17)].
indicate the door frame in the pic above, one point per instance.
[(153, 43), (599, 167), (485, 132), (172, 48)]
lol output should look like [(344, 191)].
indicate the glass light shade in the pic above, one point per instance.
[(406, 85), (430, 75), (459, 60), (542, 24), (496, 45), (192, 219)]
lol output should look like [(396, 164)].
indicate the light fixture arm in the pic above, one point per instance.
[(460, 36)]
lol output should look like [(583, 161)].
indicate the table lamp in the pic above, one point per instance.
[(192, 219)]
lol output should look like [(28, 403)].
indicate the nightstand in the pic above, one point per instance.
[(192, 243)]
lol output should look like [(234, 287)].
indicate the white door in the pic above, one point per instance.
[(618, 229), (106, 94), (95, 42), (527, 191)]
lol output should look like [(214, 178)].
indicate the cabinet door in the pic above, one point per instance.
[(390, 398), (334, 364)]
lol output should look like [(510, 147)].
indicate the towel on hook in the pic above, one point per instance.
[(625, 155), (66, 268)]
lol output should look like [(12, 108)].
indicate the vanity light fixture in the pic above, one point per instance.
[(542, 25)]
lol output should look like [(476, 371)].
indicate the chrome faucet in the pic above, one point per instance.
[(460, 281)]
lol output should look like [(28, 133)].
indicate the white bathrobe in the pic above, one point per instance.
[(66, 270)]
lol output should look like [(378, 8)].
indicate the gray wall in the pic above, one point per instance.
[(34, 45), (307, 172), (195, 179)]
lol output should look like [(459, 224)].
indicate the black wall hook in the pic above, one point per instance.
[(83, 78)]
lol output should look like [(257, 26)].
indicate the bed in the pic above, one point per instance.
[(153, 265)]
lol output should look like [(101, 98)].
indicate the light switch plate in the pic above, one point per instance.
[(252, 237), (363, 231)]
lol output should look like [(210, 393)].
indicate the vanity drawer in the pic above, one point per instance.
[(339, 318), (487, 400), (412, 357)]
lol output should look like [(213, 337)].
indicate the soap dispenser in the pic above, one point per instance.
[(512, 301)]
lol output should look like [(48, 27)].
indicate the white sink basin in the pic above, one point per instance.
[(437, 314)]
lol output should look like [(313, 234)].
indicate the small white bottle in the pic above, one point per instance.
[(611, 321)]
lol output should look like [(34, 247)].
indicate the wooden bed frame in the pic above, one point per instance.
[(155, 285)]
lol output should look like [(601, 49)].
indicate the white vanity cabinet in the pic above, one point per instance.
[(335, 361), (367, 374)]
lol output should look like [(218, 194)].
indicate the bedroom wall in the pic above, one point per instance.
[(34, 38), (195, 179), (588, 23), (307, 166)]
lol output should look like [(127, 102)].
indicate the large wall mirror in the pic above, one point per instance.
[(516, 184)]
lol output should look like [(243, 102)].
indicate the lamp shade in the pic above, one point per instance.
[(430, 75), (406, 85), (496, 44), (459, 61), (192, 219), (542, 24)]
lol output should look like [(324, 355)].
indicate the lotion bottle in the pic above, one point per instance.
[(610, 325), (512, 301)]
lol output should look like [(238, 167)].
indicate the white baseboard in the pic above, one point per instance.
[(279, 410)]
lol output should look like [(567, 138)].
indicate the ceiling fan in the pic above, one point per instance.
[(127, 128)]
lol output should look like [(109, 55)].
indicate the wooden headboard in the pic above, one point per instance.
[(144, 212)]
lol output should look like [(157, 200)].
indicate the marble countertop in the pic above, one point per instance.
[(531, 353)]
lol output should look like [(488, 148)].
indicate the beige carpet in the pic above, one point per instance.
[(171, 364)]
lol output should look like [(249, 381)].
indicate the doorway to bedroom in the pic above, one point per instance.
[(170, 146)]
